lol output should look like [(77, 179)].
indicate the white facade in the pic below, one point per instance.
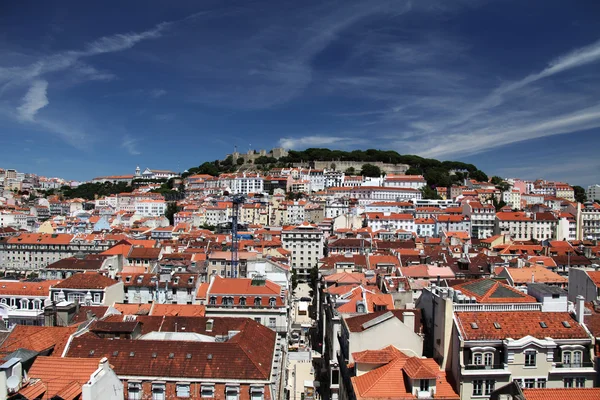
[(306, 244), (247, 184), (593, 192), (512, 198), (390, 221), (150, 208)]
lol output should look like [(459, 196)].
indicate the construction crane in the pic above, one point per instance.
[(237, 200)]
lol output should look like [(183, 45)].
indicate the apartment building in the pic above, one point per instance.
[(89, 289), (482, 218), (170, 288), (257, 298), (405, 181), (522, 226), (305, 242), (390, 221), (32, 251)]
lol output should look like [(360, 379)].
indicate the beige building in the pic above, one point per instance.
[(306, 244)]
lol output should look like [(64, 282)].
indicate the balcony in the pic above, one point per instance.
[(484, 370), (580, 367)]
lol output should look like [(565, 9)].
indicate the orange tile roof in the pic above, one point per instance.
[(539, 273), (183, 310), (63, 376), (595, 277), (518, 324), (85, 281), (37, 338), (417, 368), (372, 299), (388, 381), (133, 309), (12, 288), (562, 394), (42, 238), (242, 286)]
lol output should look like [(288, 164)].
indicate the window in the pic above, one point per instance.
[(232, 392), (477, 387), (541, 383), (529, 383), (256, 392), (134, 389), (158, 391), (213, 300), (477, 359), (579, 382), (424, 385), (242, 301), (489, 386), (272, 302), (207, 391), (257, 301), (572, 358), (568, 382), (97, 298), (183, 390), (488, 359), (272, 322), (530, 358)]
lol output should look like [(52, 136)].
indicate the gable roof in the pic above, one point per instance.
[(85, 281), (63, 376), (37, 338), (517, 324), (246, 356)]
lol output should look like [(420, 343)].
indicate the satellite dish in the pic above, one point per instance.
[(13, 382)]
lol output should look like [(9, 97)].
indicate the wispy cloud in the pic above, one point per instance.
[(34, 100), (74, 69), (156, 93), (164, 117), (131, 145), (317, 141)]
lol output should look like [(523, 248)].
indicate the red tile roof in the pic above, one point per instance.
[(37, 338), (63, 376), (86, 281), (12, 288), (246, 356), (492, 291), (562, 394), (518, 324)]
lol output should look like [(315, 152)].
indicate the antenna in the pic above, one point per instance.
[(12, 383)]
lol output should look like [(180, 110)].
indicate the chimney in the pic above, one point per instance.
[(103, 364), (89, 315), (579, 308), (408, 317)]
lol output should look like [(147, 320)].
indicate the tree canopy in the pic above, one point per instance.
[(90, 191), (370, 170)]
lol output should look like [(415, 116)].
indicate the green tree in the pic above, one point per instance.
[(314, 277), (413, 171), (239, 161), (430, 193), (496, 180), (498, 204), (350, 171), (479, 176), (370, 170), (170, 212), (580, 195)]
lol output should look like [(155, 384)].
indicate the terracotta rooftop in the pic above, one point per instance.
[(37, 338), (562, 394), (356, 323), (246, 356), (85, 281), (500, 325)]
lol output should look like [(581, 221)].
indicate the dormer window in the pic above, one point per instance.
[(232, 392), (242, 301), (127, 279), (257, 301), (272, 302), (257, 392), (213, 300), (191, 280), (207, 390)]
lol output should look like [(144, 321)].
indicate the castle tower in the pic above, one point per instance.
[(137, 171)]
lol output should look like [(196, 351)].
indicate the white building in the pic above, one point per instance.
[(593, 192), (247, 183), (150, 208), (306, 244), (512, 198), (405, 181), (482, 218), (390, 221), (371, 194), (526, 226)]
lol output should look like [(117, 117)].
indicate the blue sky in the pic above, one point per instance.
[(96, 88)]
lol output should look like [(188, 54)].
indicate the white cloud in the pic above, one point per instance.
[(317, 141), (130, 145), (156, 93), (34, 100)]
